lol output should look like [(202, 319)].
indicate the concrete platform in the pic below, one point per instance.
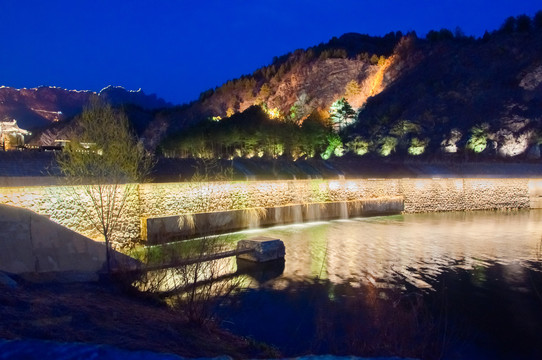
[(263, 249)]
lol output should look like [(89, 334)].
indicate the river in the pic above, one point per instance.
[(456, 285)]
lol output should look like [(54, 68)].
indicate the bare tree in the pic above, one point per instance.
[(103, 162), (186, 272)]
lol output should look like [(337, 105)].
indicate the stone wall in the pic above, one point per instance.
[(180, 198), (66, 205), (427, 195), (170, 199)]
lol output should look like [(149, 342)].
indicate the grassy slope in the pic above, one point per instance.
[(101, 313)]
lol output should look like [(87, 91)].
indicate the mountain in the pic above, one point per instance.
[(313, 78), (443, 94), (485, 95), (309, 80), (40, 107)]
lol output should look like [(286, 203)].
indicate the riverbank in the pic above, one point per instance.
[(103, 313)]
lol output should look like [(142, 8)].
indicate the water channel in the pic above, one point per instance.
[(464, 285)]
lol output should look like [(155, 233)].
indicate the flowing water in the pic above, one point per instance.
[(441, 285)]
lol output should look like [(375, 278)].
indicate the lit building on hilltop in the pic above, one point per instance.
[(11, 135)]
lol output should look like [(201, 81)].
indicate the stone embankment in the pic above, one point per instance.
[(158, 200)]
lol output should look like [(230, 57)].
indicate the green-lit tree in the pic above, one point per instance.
[(478, 139), (358, 145), (334, 146), (103, 162), (341, 114)]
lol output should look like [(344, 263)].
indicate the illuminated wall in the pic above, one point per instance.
[(60, 205), (158, 200), (424, 195), (178, 198)]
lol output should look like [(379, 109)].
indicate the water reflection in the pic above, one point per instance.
[(412, 248), (430, 286)]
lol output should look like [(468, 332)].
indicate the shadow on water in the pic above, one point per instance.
[(260, 272), (321, 317), (499, 309), (468, 315)]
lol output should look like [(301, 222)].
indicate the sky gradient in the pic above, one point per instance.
[(177, 49)]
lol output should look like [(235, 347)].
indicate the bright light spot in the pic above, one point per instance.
[(451, 148), (421, 184), (339, 151), (273, 113), (334, 185), (449, 145), (512, 145), (351, 186)]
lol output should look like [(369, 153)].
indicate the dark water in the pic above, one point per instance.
[(443, 285)]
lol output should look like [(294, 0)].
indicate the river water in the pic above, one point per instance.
[(442, 285)]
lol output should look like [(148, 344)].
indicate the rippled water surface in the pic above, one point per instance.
[(441, 285), (412, 248)]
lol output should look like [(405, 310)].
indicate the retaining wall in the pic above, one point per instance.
[(164, 229), (30, 243), (172, 199)]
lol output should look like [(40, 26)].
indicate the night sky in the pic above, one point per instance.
[(177, 49)]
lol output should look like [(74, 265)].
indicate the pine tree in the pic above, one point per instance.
[(341, 114)]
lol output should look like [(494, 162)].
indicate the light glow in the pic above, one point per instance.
[(273, 113)]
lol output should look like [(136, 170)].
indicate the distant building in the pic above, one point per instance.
[(11, 135)]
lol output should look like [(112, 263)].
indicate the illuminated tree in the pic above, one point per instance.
[(352, 89), (478, 139), (358, 146), (265, 92), (417, 146), (363, 57), (403, 131), (387, 145), (341, 114), (103, 163), (300, 110), (334, 146)]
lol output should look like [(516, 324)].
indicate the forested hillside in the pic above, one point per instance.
[(398, 95)]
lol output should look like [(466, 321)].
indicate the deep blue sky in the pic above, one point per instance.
[(177, 49)]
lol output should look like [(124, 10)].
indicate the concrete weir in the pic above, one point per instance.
[(165, 229)]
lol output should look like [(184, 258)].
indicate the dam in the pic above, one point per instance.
[(156, 212)]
